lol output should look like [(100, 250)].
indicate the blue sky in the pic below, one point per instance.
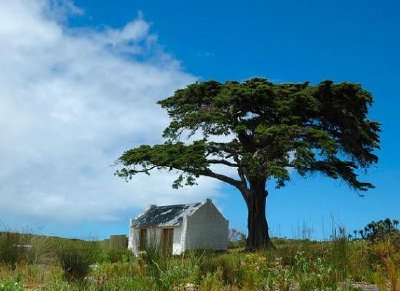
[(168, 45)]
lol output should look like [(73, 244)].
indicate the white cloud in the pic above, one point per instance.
[(70, 102)]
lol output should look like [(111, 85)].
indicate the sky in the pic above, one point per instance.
[(79, 81)]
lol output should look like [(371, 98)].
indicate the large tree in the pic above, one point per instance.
[(262, 130)]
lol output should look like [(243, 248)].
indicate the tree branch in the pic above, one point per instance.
[(223, 178), (223, 162)]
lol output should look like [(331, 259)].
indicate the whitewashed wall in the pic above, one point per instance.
[(154, 236), (206, 229), (133, 240), (177, 246)]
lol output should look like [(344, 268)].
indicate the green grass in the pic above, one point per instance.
[(62, 264)]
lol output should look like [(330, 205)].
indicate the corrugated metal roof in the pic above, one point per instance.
[(164, 216)]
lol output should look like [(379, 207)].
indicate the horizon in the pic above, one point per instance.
[(80, 82)]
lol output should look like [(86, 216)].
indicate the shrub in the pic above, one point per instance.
[(14, 247), (376, 231), (116, 255), (12, 284), (360, 261), (229, 265), (212, 281), (75, 259), (389, 270), (314, 274), (179, 276)]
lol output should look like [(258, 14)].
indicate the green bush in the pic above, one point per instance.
[(212, 281), (314, 274), (12, 284), (179, 275), (14, 248), (115, 255), (76, 258), (228, 264), (378, 230)]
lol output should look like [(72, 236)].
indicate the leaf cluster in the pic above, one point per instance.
[(263, 129)]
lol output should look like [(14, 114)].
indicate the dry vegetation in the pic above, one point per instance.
[(31, 262)]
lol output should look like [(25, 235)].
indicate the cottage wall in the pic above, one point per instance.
[(206, 229), (177, 247), (154, 236), (133, 240)]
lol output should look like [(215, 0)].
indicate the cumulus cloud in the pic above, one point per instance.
[(70, 103)]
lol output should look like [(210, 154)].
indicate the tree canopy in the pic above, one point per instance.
[(262, 130)]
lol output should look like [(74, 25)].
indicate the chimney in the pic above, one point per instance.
[(152, 206), (208, 200)]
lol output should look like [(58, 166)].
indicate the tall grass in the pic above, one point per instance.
[(76, 259), (339, 257), (61, 264), (14, 246)]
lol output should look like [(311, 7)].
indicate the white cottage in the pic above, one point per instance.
[(177, 228)]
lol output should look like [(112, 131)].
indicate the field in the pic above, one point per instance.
[(31, 262)]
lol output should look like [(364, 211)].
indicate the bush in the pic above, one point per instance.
[(14, 248), (228, 264), (179, 276), (12, 284), (212, 281), (76, 258), (116, 255), (389, 268), (376, 231)]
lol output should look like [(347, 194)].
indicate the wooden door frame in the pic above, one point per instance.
[(168, 240), (142, 239)]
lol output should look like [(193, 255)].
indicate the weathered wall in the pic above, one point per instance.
[(177, 247), (154, 236), (153, 239), (206, 229), (133, 241)]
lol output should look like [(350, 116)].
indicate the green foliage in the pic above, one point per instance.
[(60, 285), (179, 275), (263, 130), (212, 281), (315, 274), (379, 230), (321, 125), (228, 265), (339, 256), (14, 248), (388, 252), (115, 255), (76, 258), (292, 265), (12, 284)]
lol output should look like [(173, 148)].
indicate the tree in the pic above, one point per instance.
[(261, 130), (379, 230)]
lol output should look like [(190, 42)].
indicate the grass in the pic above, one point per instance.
[(61, 264)]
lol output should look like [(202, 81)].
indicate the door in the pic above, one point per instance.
[(142, 239), (168, 238)]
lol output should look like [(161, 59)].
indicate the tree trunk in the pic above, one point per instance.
[(258, 237)]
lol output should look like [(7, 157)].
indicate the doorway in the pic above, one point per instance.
[(168, 237), (142, 239)]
